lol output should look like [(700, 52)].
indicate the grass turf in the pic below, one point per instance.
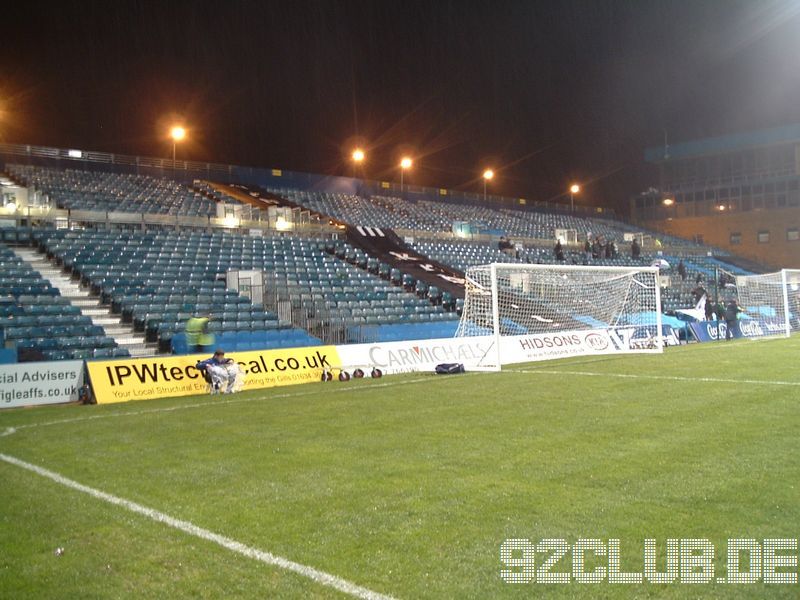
[(409, 485)]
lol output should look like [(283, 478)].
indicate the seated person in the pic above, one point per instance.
[(217, 370), (505, 245)]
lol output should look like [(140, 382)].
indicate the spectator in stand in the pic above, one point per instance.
[(698, 293), (587, 250), (506, 246), (682, 270), (731, 316), (636, 250), (700, 298), (709, 308), (614, 249), (725, 279), (719, 309), (558, 251)]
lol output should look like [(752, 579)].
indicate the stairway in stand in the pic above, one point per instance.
[(90, 305)]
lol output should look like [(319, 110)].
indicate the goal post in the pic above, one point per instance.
[(770, 303), (528, 312)]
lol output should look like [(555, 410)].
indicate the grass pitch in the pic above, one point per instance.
[(409, 485)]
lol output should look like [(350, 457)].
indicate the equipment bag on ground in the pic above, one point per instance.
[(449, 368)]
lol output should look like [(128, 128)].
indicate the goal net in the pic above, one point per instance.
[(769, 303), (539, 312)]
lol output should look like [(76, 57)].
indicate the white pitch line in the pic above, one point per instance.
[(660, 377), (204, 404), (268, 558)]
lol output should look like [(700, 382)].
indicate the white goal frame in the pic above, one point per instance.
[(493, 359), (778, 291)]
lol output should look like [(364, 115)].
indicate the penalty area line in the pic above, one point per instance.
[(658, 377), (267, 558)]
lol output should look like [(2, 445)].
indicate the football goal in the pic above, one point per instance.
[(771, 303), (539, 312)]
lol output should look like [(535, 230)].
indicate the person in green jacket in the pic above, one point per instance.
[(198, 337)]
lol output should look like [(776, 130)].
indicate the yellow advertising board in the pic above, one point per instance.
[(162, 377)]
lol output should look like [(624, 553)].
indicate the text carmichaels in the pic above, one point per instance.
[(418, 354)]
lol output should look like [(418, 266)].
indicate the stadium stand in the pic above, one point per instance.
[(676, 295), (318, 287), (101, 191), (430, 216), (157, 281), (39, 323)]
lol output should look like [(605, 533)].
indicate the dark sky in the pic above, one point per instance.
[(546, 92)]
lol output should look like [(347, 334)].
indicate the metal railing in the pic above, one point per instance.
[(309, 311), (63, 218), (78, 157)]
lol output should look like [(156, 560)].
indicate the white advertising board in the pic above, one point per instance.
[(27, 384), (547, 346), (414, 355), (424, 355)]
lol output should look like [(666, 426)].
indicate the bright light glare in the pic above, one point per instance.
[(281, 224), (358, 155), (668, 201), (177, 133), (406, 163), (488, 174), (574, 188), (11, 207)]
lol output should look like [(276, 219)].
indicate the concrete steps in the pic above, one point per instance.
[(138, 352), (89, 305)]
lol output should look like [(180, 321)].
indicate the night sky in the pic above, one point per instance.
[(545, 92)]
